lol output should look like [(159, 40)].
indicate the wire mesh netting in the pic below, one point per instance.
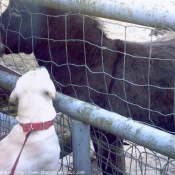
[(121, 67)]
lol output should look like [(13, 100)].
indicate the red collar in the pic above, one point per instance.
[(36, 126)]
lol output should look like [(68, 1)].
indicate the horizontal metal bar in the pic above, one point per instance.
[(7, 81), (116, 124), (111, 122), (155, 13)]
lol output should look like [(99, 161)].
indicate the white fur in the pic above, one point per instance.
[(33, 93)]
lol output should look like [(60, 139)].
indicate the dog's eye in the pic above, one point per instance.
[(50, 94), (46, 93)]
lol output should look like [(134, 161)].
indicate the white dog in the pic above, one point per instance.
[(33, 93)]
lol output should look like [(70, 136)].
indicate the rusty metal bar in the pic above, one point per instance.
[(116, 124), (157, 14)]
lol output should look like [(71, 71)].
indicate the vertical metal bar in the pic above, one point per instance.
[(81, 147)]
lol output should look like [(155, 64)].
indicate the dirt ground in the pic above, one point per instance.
[(139, 160)]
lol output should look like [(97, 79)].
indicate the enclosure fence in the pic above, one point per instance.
[(144, 148)]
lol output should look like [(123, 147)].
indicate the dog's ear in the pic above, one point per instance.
[(13, 97)]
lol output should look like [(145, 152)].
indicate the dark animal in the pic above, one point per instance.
[(89, 66)]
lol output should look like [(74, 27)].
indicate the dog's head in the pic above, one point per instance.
[(35, 81)]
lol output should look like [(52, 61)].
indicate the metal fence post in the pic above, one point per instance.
[(81, 147)]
